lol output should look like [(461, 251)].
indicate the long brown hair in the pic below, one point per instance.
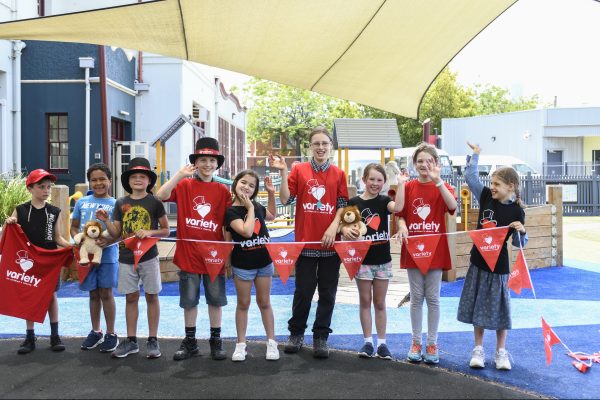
[(239, 176), (509, 176)]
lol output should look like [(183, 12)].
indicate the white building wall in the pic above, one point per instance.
[(54, 7)]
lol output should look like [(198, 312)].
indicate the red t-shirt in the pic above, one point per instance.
[(316, 199), (201, 210), (424, 210)]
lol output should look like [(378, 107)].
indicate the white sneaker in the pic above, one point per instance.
[(477, 358), (502, 361), (272, 351), (239, 354)]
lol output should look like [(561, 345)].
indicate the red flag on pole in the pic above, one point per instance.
[(519, 276), (352, 254), (139, 247), (284, 257), (214, 255), (550, 339), (422, 249), (489, 242)]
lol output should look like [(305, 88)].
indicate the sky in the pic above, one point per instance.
[(544, 47)]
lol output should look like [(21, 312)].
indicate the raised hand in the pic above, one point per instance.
[(276, 161), (475, 147), (102, 215), (433, 171), (404, 176), (246, 202), (269, 187), (187, 170)]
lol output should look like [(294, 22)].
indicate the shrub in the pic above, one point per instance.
[(12, 193)]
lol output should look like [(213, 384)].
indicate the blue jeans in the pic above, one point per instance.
[(189, 290)]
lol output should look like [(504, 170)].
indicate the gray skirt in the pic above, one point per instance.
[(485, 300)]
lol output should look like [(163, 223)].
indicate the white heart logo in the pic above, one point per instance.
[(203, 209), (351, 252), (213, 253), (317, 191), (423, 211), (25, 264), (420, 246), (283, 253), (487, 239)]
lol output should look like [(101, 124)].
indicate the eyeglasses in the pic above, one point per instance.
[(320, 144)]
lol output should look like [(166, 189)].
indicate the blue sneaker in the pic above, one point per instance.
[(367, 351), (92, 340), (414, 354), (383, 352), (111, 341), (431, 354)]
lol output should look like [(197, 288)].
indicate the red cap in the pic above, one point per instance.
[(37, 175)]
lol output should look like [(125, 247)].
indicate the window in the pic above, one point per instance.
[(58, 142), (276, 142)]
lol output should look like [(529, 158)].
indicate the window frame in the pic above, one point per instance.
[(49, 142)]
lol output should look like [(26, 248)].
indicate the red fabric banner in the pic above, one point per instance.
[(519, 276), (139, 247), (550, 339), (489, 243), (422, 250), (214, 256), (28, 275), (352, 254), (82, 270), (284, 257)]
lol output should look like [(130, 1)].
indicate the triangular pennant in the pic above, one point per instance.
[(422, 250), (139, 247), (82, 270), (519, 276), (352, 254), (214, 255), (284, 257), (489, 242), (550, 339)]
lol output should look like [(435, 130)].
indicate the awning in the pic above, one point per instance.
[(381, 53), (366, 133)]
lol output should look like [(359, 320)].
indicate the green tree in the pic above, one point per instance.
[(495, 100)]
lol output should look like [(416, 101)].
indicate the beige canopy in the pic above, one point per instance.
[(382, 53)]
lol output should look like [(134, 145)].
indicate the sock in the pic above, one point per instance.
[(369, 339), (132, 339), (215, 333), (53, 328), (380, 341), (190, 332), (152, 337), (30, 333)]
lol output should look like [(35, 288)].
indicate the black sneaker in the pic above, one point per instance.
[(320, 348), (384, 352), (216, 349), (294, 344), (187, 349), (56, 344), (28, 345), (367, 351)]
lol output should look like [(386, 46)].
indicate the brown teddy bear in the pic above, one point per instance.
[(351, 218), (86, 239)]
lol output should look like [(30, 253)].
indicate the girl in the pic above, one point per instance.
[(320, 191), (373, 276), (485, 299), (428, 198), (245, 220)]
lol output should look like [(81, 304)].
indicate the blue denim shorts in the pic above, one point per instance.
[(105, 275), (251, 274), (189, 290)]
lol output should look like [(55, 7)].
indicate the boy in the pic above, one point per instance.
[(138, 214), (201, 205), (38, 219), (102, 278)]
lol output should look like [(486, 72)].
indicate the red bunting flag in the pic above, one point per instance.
[(284, 257), (139, 247), (422, 250), (550, 339), (519, 276), (489, 242), (28, 275), (82, 270), (352, 255), (214, 255)]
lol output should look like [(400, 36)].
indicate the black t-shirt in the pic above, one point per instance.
[(39, 224), (136, 214), (251, 253), (374, 213), (494, 212)]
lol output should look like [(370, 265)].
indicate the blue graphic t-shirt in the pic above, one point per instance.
[(85, 210)]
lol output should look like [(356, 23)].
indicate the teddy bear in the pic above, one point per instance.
[(351, 218), (86, 239)]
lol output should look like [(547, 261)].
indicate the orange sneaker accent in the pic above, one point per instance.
[(416, 348), (431, 349)]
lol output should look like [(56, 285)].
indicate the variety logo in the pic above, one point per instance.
[(315, 189), (284, 260), (421, 209), (25, 263), (422, 252), (201, 206)]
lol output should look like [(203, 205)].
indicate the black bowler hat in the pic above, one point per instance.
[(138, 165), (207, 146)]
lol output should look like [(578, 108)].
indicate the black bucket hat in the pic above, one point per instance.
[(207, 146), (138, 165)]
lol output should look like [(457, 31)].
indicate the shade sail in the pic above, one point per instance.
[(382, 53)]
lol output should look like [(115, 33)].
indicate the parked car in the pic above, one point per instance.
[(488, 163)]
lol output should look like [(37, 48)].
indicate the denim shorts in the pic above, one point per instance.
[(105, 275), (378, 271), (189, 290), (251, 274)]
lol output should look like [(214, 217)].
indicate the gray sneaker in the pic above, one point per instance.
[(125, 348), (153, 349)]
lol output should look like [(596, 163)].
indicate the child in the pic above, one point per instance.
[(485, 298), (38, 219), (250, 260), (321, 193), (373, 276), (201, 204), (424, 202), (139, 214), (102, 278)]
